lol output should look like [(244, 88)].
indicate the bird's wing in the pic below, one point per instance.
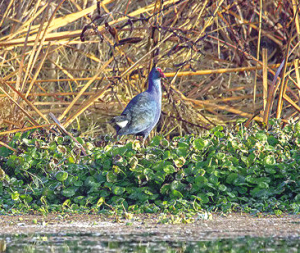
[(141, 110)]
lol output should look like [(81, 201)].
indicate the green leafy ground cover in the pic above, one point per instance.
[(249, 170)]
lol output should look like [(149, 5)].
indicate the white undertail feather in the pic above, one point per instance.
[(122, 123)]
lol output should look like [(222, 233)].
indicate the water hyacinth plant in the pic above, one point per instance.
[(224, 170)]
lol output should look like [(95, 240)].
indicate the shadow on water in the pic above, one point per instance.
[(93, 242)]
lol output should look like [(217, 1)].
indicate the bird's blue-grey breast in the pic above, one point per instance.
[(143, 111)]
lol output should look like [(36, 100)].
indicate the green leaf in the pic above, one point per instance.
[(180, 175), (107, 164), (263, 185), (203, 197), (201, 172), (80, 140), (164, 143), (252, 180), (100, 201), (231, 194), (165, 189), (221, 156), (297, 198), (15, 195), (111, 177), (159, 177), (213, 179), (201, 180), (80, 200), (174, 185), (239, 180), (219, 134), (272, 140), (90, 181), (69, 192), (156, 140), (176, 194), (61, 176), (117, 190), (2, 174), (27, 198), (182, 151), (222, 187), (169, 169), (200, 144), (270, 170), (217, 128), (5, 152), (258, 192), (133, 162), (261, 136), (167, 155), (297, 127), (269, 160), (48, 192), (78, 183), (179, 162)]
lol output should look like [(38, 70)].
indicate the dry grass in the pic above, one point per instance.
[(224, 60)]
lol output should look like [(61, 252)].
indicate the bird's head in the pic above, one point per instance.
[(156, 73)]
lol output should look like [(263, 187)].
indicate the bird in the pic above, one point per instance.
[(143, 112)]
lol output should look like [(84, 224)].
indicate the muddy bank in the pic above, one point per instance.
[(230, 226)]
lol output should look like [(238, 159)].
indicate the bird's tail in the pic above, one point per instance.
[(119, 122)]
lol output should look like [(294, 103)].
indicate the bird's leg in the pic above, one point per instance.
[(144, 140), (118, 138), (141, 140), (143, 143), (115, 138)]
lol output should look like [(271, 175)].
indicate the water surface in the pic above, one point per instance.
[(93, 242)]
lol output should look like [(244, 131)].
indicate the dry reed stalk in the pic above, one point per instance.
[(212, 50)]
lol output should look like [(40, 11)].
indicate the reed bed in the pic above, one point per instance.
[(84, 60)]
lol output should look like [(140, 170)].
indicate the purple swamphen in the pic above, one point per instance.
[(143, 111)]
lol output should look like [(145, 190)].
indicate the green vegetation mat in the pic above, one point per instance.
[(243, 169)]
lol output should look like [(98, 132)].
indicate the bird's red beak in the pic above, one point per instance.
[(161, 73)]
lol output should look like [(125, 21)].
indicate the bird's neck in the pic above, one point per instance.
[(155, 86)]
